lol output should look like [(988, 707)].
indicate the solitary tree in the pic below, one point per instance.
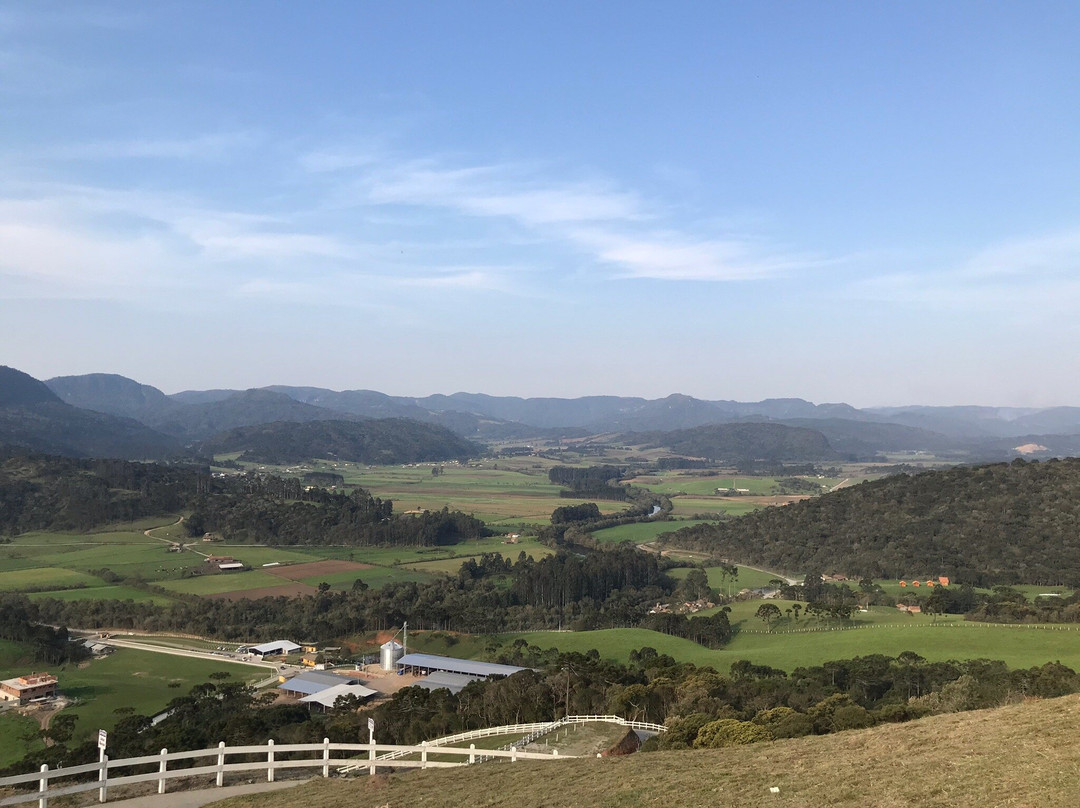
[(769, 613)]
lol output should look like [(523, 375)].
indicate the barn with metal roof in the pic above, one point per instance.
[(311, 682), (430, 663), (275, 648), (326, 698), (454, 682)]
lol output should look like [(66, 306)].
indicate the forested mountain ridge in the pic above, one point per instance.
[(997, 524), (33, 417), (742, 441), (382, 441)]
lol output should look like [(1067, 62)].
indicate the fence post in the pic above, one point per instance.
[(43, 786), (162, 768), (103, 777), (513, 754), (554, 753), (472, 753), (371, 753), (270, 761), (221, 764), (423, 754), (326, 757)]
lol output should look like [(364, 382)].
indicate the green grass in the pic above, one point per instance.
[(256, 556), (376, 577), (45, 578), (733, 506), (224, 582), (105, 593), (13, 654), (642, 531), (1019, 646), (12, 745), (747, 578), (138, 679)]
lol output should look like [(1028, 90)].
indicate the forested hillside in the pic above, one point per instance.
[(383, 441), (739, 442), (997, 524)]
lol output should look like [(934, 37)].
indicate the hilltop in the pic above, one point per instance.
[(1018, 755), (996, 524)]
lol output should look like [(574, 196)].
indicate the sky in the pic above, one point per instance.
[(876, 203)]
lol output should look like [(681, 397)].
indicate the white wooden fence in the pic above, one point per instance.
[(534, 730), (106, 774)]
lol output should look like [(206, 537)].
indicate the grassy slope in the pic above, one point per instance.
[(1022, 755)]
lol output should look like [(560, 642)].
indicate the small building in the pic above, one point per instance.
[(213, 559), (28, 688), (454, 682), (313, 660), (916, 583), (309, 683), (943, 580), (230, 566), (275, 648), (931, 584), (903, 583), (324, 700)]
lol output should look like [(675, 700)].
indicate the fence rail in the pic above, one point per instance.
[(322, 756), (530, 731)]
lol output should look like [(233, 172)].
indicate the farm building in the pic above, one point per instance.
[(27, 688), (232, 565), (312, 682), (431, 663), (325, 699), (275, 648), (454, 682)]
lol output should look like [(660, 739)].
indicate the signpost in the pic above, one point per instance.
[(102, 740), (371, 745)]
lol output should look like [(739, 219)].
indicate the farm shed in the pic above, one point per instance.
[(430, 663), (454, 682), (312, 682), (325, 699), (275, 648)]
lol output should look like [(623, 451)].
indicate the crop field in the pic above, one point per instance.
[(374, 577), (731, 506), (217, 584)]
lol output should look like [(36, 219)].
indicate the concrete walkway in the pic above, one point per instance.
[(204, 796)]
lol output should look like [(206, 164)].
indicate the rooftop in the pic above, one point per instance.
[(328, 696), (471, 667), (454, 682)]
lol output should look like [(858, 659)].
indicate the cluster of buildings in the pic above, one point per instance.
[(942, 580)]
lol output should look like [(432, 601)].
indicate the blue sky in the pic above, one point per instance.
[(868, 202)]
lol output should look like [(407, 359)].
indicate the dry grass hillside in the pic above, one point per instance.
[(1023, 755)]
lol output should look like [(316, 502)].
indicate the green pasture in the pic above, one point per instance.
[(642, 531), (12, 746), (104, 593), (257, 555), (732, 506), (13, 654), (747, 579), (1018, 646), (375, 578), (45, 578), (217, 584), (130, 678), (682, 483)]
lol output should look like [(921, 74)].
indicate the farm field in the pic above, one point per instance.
[(747, 579), (642, 531), (104, 593), (1018, 646), (730, 506), (694, 485), (12, 745), (128, 678), (217, 584), (45, 578)]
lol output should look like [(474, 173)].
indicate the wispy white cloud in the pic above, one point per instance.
[(618, 231), (1023, 277), (199, 147)]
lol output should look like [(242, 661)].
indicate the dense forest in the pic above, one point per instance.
[(595, 482), (383, 441), (999, 524), (39, 492)]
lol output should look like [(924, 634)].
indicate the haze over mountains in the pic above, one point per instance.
[(140, 420)]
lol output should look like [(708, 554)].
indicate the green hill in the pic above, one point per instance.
[(383, 441), (996, 524), (745, 441), (1021, 755)]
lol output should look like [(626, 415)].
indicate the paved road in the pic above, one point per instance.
[(195, 799)]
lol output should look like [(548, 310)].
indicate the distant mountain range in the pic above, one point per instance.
[(133, 417)]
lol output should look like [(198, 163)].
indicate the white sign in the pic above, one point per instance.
[(371, 725), (102, 739)]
